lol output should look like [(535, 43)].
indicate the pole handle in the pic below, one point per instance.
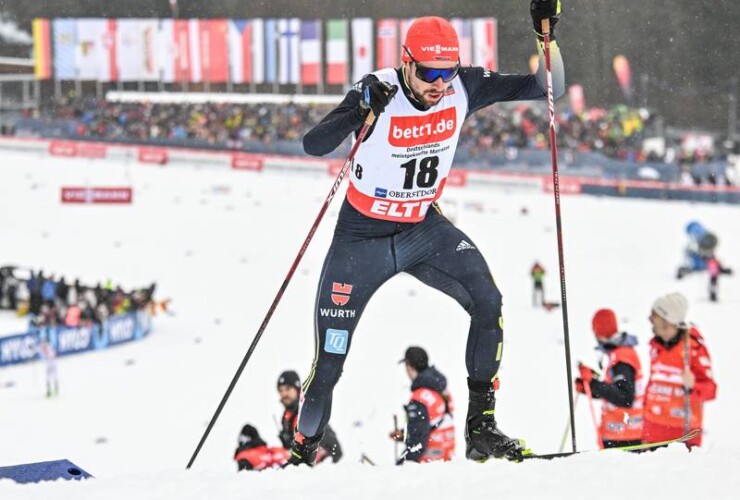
[(546, 26), (370, 118)]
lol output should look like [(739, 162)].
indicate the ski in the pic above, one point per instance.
[(635, 447)]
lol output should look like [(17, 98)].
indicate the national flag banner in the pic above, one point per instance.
[(240, 51), (182, 50), (337, 52), (464, 30), (42, 48), (362, 47), (166, 50), (258, 51), (196, 64), (65, 43), (387, 31), (288, 41), (95, 54), (270, 51), (485, 43), (213, 48), (310, 52), (176, 52), (136, 50)]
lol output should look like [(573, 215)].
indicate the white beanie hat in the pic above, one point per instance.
[(672, 308)]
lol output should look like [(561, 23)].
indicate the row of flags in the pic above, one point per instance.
[(284, 51)]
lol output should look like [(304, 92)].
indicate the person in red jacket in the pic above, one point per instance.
[(430, 433), (621, 388), (680, 374), (254, 454)]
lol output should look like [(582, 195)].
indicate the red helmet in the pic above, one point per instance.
[(604, 323)]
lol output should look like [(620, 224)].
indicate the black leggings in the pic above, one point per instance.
[(364, 254)]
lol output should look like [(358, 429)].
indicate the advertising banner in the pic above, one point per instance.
[(106, 195)]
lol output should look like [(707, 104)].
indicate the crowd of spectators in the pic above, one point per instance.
[(616, 133), (222, 125), (52, 301)]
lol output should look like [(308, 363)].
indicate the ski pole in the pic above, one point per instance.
[(567, 427), (395, 442), (337, 183), (687, 394), (558, 224)]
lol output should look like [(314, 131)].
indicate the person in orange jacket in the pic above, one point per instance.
[(680, 374), (621, 389), (430, 433)]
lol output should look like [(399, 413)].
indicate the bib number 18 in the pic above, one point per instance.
[(426, 176)]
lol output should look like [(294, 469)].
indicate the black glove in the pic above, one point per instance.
[(544, 9), (375, 96)]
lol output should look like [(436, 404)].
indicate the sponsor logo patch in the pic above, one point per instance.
[(340, 293), (408, 131), (464, 245), (381, 193), (328, 312), (336, 341)]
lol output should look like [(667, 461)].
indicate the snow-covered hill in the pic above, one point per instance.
[(219, 243)]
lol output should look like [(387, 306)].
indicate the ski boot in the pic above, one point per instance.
[(483, 438), (303, 450)]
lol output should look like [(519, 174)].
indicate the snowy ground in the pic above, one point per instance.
[(220, 242)]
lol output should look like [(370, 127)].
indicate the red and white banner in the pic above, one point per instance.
[(176, 64), (214, 53), (387, 44), (136, 50), (156, 156), (485, 43), (78, 149), (95, 150), (566, 185), (244, 161), (334, 167), (62, 148), (108, 195), (362, 47), (95, 54), (457, 178)]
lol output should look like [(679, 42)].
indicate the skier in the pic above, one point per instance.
[(389, 222), (49, 355), (289, 389), (254, 454), (621, 389), (677, 383), (430, 433), (538, 288)]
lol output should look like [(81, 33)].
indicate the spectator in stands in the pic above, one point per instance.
[(49, 290), (62, 291)]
